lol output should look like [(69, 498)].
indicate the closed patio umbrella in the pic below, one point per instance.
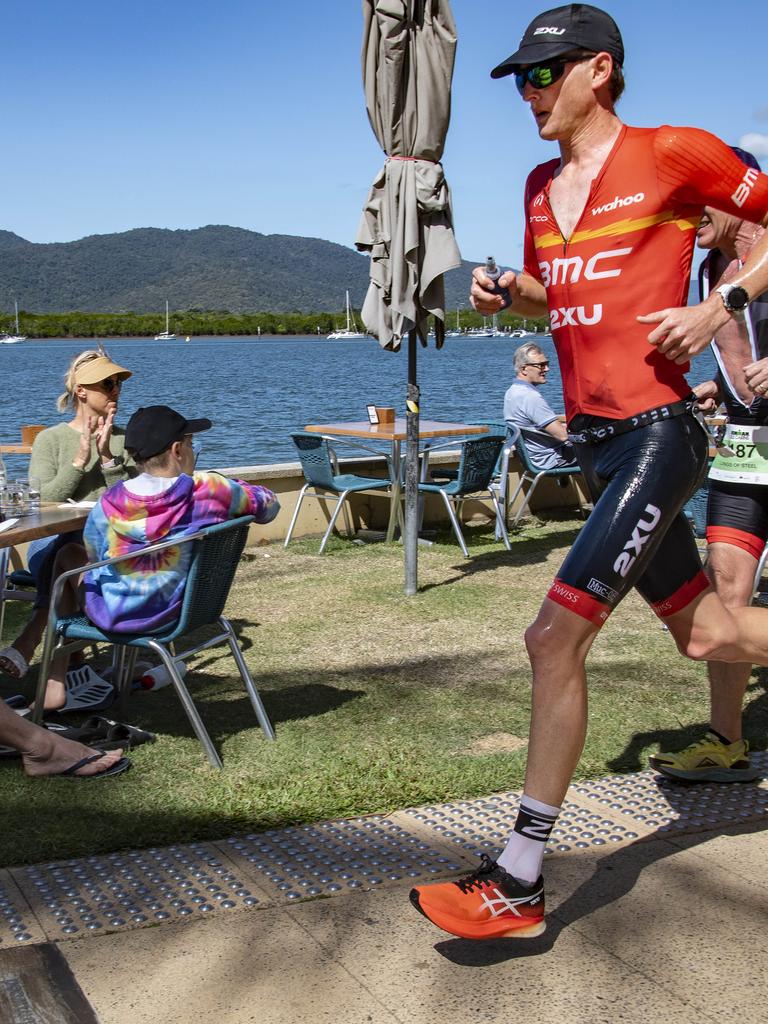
[(407, 226)]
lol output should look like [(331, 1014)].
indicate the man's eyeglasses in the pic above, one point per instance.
[(111, 383), (541, 76), (542, 366)]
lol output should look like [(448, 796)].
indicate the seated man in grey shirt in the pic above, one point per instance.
[(525, 407)]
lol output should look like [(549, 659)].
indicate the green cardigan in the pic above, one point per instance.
[(53, 452)]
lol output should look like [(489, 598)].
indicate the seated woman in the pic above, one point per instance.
[(79, 459)]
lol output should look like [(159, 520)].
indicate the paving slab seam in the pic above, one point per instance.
[(701, 1013), (114, 892)]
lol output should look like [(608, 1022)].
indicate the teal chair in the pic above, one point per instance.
[(474, 477), (532, 475), (215, 557), (320, 466)]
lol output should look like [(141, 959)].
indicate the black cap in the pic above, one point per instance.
[(154, 428), (559, 31)]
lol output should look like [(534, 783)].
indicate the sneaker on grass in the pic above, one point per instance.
[(488, 904), (708, 760)]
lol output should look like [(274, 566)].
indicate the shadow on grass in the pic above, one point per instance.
[(754, 723), (525, 551)]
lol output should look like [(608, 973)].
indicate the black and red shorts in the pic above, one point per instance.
[(737, 514), (637, 534)]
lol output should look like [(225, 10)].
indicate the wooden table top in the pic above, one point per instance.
[(50, 520), (15, 449), (395, 431)]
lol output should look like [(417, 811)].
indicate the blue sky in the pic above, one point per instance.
[(251, 113)]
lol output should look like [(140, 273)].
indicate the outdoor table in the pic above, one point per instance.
[(394, 433), (49, 521), (15, 449)]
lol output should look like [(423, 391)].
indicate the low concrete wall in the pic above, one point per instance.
[(371, 510)]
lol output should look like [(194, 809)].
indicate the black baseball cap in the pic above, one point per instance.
[(154, 428), (559, 31)]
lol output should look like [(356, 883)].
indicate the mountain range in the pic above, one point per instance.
[(209, 268)]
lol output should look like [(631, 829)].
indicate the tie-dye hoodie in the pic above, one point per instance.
[(145, 594)]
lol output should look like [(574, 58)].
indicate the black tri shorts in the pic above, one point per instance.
[(737, 514), (637, 534)]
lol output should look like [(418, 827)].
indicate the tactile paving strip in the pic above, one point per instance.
[(17, 921), (320, 860), (125, 890), (653, 805), (483, 825)]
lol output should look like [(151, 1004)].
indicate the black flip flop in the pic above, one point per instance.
[(109, 734), (116, 769)]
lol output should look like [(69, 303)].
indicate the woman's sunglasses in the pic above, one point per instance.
[(541, 76), (111, 383)]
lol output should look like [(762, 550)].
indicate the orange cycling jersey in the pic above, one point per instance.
[(630, 254)]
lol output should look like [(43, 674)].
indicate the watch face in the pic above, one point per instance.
[(737, 299)]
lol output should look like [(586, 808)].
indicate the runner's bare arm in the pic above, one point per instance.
[(684, 332), (528, 295)]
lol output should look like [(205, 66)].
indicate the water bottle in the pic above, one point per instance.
[(158, 677), (492, 271)]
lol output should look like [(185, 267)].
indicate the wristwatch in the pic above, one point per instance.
[(735, 298)]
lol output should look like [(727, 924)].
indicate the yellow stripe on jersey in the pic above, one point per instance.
[(619, 227)]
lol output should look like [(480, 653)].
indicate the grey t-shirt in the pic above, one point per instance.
[(525, 406)]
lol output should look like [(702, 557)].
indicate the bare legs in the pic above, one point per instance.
[(732, 571), (45, 753), (558, 643), (70, 557)]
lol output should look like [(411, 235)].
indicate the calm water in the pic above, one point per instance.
[(257, 391)]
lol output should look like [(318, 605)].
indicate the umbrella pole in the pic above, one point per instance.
[(411, 538)]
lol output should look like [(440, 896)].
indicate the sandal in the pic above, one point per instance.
[(13, 663), (87, 691)]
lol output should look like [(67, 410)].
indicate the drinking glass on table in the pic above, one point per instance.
[(34, 494)]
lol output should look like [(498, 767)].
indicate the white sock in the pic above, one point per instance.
[(524, 853)]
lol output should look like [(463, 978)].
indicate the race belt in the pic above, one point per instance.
[(612, 428), (742, 457)]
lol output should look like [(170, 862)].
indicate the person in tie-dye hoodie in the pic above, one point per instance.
[(167, 499)]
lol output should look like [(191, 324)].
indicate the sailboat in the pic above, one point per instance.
[(480, 332), (166, 334), (12, 339), (458, 333), (351, 332)]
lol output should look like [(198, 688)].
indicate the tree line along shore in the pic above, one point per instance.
[(213, 322)]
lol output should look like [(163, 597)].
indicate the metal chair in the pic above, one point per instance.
[(479, 457), (320, 465), (532, 474), (215, 557), (17, 585)]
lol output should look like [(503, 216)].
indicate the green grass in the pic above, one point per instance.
[(379, 701)]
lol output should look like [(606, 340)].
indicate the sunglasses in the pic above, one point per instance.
[(541, 366), (111, 383), (541, 76)]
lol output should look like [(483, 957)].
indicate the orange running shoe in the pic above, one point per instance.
[(488, 904)]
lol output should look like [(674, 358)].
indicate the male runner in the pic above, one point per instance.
[(609, 239), (737, 512)]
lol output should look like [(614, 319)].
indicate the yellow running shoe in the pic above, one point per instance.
[(708, 760)]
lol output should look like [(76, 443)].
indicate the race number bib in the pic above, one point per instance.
[(743, 457)]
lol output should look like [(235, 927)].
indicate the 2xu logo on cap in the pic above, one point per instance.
[(548, 31)]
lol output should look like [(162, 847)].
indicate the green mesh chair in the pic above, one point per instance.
[(320, 465), (477, 465), (532, 475), (215, 557)]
